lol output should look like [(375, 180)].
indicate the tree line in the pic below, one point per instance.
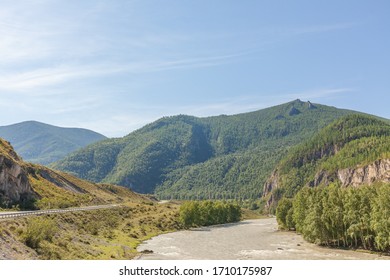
[(205, 213), (343, 217)]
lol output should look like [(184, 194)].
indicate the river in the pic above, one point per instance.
[(246, 240)]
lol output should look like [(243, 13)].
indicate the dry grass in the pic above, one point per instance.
[(100, 234)]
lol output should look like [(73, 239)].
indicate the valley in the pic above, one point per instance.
[(247, 240), (323, 171)]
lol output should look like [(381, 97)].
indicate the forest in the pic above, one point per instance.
[(185, 157), (206, 213), (350, 142), (342, 217)]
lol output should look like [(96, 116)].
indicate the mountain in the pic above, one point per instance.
[(334, 189), (213, 157), (32, 186), (42, 143), (351, 151)]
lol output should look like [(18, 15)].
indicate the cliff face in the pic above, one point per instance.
[(269, 188), (271, 183), (14, 183), (378, 171)]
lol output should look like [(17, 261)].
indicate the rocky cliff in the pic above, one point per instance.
[(271, 184), (14, 184), (378, 171)]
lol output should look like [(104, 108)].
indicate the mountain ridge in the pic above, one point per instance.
[(168, 155), (43, 143)]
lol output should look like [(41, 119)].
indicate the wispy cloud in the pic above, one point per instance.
[(58, 74), (71, 58), (321, 28), (40, 49)]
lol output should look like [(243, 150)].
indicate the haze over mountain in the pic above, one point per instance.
[(43, 143), (213, 157)]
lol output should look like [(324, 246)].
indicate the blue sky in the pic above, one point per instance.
[(114, 66)]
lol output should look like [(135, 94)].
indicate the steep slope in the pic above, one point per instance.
[(352, 151), (34, 186), (14, 183), (189, 157), (42, 143)]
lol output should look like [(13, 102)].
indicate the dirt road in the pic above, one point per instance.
[(252, 239)]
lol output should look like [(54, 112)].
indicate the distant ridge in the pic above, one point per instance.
[(43, 143)]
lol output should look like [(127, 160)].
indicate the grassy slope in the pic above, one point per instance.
[(100, 234)]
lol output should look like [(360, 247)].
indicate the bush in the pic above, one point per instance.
[(38, 230)]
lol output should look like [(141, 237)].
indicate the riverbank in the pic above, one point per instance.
[(250, 239)]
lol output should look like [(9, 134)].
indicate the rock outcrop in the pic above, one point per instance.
[(310, 105), (378, 171), (271, 183), (15, 187)]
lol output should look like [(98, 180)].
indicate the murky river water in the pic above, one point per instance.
[(252, 239)]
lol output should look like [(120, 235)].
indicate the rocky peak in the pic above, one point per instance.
[(310, 106)]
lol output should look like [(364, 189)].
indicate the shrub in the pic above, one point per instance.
[(38, 230)]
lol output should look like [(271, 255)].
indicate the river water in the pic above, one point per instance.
[(247, 240)]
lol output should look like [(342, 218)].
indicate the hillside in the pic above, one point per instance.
[(42, 143), (352, 151), (214, 157), (32, 186)]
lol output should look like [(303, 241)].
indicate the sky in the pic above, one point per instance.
[(114, 66)]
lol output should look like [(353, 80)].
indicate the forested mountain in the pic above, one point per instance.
[(352, 151), (214, 157), (42, 143), (335, 188)]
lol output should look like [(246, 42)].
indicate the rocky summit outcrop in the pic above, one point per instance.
[(378, 171), (14, 184)]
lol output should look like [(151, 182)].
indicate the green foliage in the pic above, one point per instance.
[(349, 217), (354, 140), (284, 214), (38, 230), (186, 157), (205, 213), (44, 144)]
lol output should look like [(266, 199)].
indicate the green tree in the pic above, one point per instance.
[(283, 213)]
